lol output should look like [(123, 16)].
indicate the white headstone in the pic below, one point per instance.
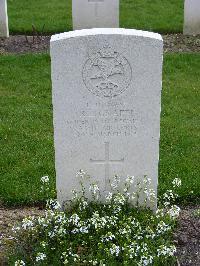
[(106, 105), (192, 17), (4, 32), (88, 14)]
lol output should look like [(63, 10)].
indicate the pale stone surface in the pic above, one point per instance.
[(106, 105), (88, 14), (192, 17), (4, 31)]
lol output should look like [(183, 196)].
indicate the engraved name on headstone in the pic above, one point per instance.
[(4, 31), (95, 14), (106, 105), (192, 17)]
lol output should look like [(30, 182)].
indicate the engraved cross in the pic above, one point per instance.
[(107, 162)]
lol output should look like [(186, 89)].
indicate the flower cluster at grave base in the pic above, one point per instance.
[(93, 233)]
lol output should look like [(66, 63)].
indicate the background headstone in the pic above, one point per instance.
[(95, 14), (4, 31), (192, 17), (106, 105)]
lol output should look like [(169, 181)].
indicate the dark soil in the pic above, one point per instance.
[(186, 236), (36, 44), (181, 43), (21, 44)]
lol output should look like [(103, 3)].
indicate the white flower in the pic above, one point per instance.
[(94, 189), (43, 244), (74, 219), (160, 213), (53, 204), (115, 250), (146, 180), (115, 182), (169, 196), (81, 174), (176, 182), (75, 194), (44, 179), (20, 263), (119, 199), (166, 251), (40, 256), (174, 212), (27, 223), (162, 227), (83, 204), (108, 237), (130, 179), (146, 260), (109, 197), (150, 194)]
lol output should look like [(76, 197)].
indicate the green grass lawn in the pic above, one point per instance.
[(157, 15), (27, 133)]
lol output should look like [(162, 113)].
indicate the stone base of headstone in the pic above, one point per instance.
[(191, 17)]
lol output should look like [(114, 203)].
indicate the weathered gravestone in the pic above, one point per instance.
[(192, 17), (4, 32), (106, 105), (95, 14)]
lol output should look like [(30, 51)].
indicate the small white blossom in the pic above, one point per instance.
[(169, 196), (115, 250), (146, 260), (81, 174), (115, 182), (74, 219), (108, 237), (20, 263), (130, 179), (43, 244), (83, 204), (75, 194), (174, 212), (166, 251), (53, 204), (94, 189), (160, 213), (44, 179), (27, 223), (162, 227), (109, 197), (176, 182), (40, 256)]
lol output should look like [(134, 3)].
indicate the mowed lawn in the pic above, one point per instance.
[(27, 132), (55, 15)]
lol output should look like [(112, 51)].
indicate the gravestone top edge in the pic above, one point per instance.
[(105, 31)]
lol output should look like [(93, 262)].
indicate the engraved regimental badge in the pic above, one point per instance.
[(107, 73)]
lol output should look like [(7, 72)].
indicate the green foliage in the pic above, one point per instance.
[(27, 131), (90, 232), (164, 16), (180, 127), (26, 127), (160, 16), (54, 14)]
